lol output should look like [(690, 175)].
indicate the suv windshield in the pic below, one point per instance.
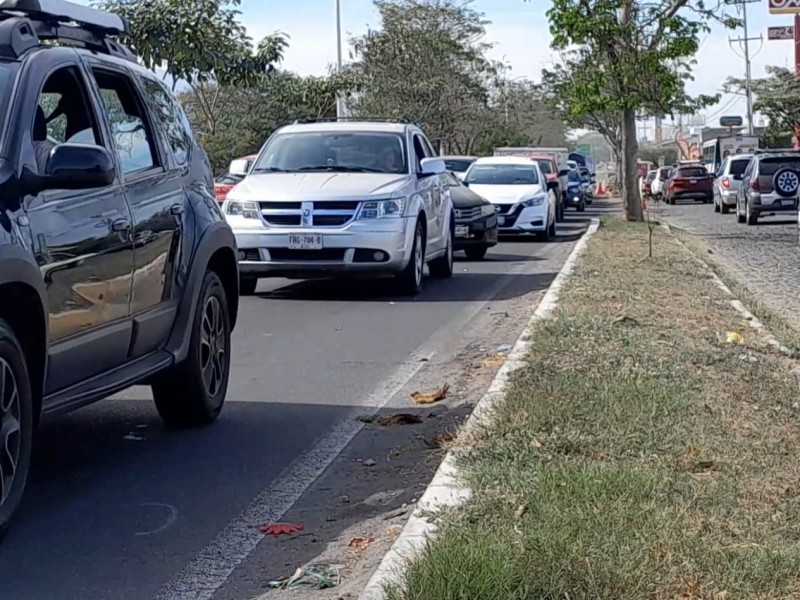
[(502, 175), (546, 166), (738, 166), (691, 172), (770, 166), (459, 165), (345, 152)]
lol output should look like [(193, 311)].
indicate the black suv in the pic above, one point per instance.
[(116, 265)]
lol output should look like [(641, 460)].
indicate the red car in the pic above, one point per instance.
[(224, 183), (690, 181)]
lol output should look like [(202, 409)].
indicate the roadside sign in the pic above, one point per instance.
[(583, 148), (730, 121), (785, 32), (784, 7)]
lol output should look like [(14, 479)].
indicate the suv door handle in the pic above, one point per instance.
[(176, 209), (121, 225)]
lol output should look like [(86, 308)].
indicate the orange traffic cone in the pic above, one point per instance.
[(601, 188)]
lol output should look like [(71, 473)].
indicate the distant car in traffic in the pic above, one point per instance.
[(728, 180), (458, 165), (550, 170), (524, 200), (575, 194), (225, 182), (327, 199), (689, 181), (769, 185), (476, 221), (657, 185), (645, 184)]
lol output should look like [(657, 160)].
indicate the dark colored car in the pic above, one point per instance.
[(476, 221), (769, 185), (576, 194), (549, 168), (692, 182), (119, 268)]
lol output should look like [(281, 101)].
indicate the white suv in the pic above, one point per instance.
[(335, 198)]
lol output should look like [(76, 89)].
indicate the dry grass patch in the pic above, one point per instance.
[(639, 456)]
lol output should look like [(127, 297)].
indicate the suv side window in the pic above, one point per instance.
[(135, 143), (171, 116), (419, 152), (723, 168), (63, 113), (428, 147), (749, 170)]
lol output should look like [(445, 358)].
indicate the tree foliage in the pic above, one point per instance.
[(627, 57), (777, 97)]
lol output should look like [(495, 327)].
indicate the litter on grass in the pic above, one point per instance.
[(319, 576), (359, 544), (734, 338), (431, 397)]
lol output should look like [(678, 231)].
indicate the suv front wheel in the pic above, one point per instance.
[(16, 424), (192, 392), (442, 267), (409, 280)]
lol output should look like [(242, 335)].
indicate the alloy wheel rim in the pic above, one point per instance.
[(212, 347), (10, 438), (418, 265)]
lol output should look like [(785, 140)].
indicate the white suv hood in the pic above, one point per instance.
[(506, 194), (318, 186)]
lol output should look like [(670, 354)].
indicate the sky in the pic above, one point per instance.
[(520, 34)]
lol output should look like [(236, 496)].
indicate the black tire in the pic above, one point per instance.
[(247, 286), (723, 208), (717, 207), (408, 282), (740, 218), (16, 425), (750, 217), (582, 206), (553, 231), (183, 396), (671, 201), (442, 267), (786, 182), (476, 252)]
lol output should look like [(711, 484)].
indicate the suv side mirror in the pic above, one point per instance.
[(563, 172), (238, 167), (76, 167), (432, 166)]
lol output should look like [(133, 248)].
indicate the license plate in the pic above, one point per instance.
[(693, 181), (462, 230), (305, 241), (501, 220)]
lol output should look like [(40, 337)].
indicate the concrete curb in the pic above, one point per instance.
[(737, 304), (445, 489)]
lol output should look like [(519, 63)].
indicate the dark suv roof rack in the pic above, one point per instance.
[(25, 23), (362, 119)]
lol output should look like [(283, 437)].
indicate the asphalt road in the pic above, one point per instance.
[(117, 507)]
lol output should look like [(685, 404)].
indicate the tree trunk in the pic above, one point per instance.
[(630, 149)]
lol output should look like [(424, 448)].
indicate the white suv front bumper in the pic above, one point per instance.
[(353, 248)]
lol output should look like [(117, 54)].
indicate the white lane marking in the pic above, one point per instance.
[(172, 516), (210, 569)]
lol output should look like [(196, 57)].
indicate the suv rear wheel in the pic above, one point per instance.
[(16, 424), (409, 280), (247, 286), (192, 393), (750, 217)]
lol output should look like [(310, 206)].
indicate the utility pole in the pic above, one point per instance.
[(339, 101), (746, 43)]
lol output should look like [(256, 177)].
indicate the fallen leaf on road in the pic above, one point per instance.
[(734, 338), (440, 440), (431, 397), (281, 528), (395, 419), (359, 544)]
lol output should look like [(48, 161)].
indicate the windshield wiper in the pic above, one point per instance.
[(340, 169), (268, 170)]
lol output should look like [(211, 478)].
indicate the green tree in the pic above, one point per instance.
[(426, 63), (633, 57), (777, 97)]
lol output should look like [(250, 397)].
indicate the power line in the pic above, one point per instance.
[(746, 41)]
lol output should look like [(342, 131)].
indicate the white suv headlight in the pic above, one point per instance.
[(535, 201), (236, 208), (487, 209), (382, 209)]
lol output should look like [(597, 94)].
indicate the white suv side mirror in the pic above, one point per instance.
[(432, 166), (238, 166)]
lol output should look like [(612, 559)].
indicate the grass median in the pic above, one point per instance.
[(641, 455)]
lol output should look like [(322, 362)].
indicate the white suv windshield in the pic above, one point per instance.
[(356, 152), (502, 175)]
